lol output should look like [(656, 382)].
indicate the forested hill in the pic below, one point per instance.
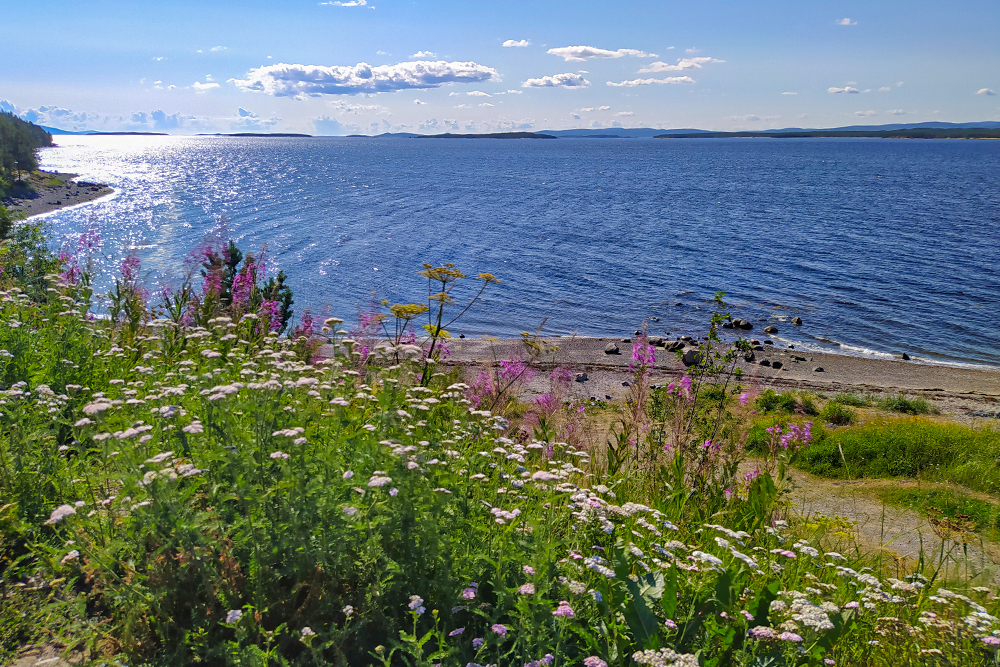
[(19, 143)]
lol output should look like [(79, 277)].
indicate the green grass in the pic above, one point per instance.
[(786, 403), (983, 516), (908, 447), (909, 406), (851, 399), (55, 182), (835, 413)]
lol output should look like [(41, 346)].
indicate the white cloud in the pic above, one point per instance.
[(487, 104), (217, 49), (349, 3), (424, 54), (789, 93), (647, 82), (750, 118), (243, 113), (587, 109), (302, 81), (478, 93), (171, 87), (625, 113), (200, 87), (985, 91), (845, 89), (846, 22), (516, 42), (693, 49), (870, 112), (418, 102), (567, 80), (515, 92), (682, 64), (604, 108), (896, 112), (885, 89), (157, 83), (159, 58), (575, 115), (208, 77), (580, 53)]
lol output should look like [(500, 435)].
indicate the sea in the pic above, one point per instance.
[(880, 246)]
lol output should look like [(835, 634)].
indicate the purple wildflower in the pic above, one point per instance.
[(564, 610), (499, 629)]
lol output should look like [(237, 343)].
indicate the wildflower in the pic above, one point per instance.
[(596, 595), (743, 398), (194, 427), (456, 631), (378, 481), (594, 661), (670, 625), (234, 616), (60, 513), (747, 615), (416, 604), (528, 569), (789, 637), (564, 610), (469, 593), (347, 475), (393, 492), (526, 589), (348, 611), (762, 632), (83, 422), (990, 640), (350, 511), (477, 642), (829, 661), (279, 455), (853, 604), (71, 556), (499, 629), (307, 632)]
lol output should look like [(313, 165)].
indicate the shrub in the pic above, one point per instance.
[(853, 400), (909, 406), (837, 413)]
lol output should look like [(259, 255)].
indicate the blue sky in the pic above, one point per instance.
[(365, 66)]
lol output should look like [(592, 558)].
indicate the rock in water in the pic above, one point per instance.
[(654, 319), (771, 329), (611, 348), (797, 321), (691, 358), (905, 357)]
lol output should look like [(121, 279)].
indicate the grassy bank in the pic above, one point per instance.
[(182, 484)]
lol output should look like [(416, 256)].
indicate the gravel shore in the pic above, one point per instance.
[(52, 197)]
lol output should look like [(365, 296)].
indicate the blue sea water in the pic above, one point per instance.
[(880, 246)]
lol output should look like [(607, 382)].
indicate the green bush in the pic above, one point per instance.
[(787, 403), (837, 413), (853, 400), (909, 406)]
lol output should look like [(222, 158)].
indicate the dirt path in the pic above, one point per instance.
[(898, 532)]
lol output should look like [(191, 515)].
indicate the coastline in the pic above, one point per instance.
[(52, 197), (967, 394)]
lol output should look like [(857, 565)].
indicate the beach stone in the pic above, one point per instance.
[(818, 369), (797, 321), (758, 348), (657, 341), (581, 377), (607, 397), (691, 358), (743, 324), (771, 329), (686, 338), (626, 340), (768, 342), (765, 362), (754, 341), (626, 383), (461, 335), (905, 357), (776, 365), (675, 345), (611, 348), (637, 333)]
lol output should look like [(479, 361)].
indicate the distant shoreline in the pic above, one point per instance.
[(50, 196)]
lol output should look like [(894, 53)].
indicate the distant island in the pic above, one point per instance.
[(911, 133), (492, 135)]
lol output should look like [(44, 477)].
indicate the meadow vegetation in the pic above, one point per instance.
[(190, 477)]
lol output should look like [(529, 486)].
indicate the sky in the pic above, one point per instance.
[(429, 66)]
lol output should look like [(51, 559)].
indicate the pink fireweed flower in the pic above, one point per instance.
[(744, 397), (130, 268), (564, 610)]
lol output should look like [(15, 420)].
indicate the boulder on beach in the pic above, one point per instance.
[(691, 358), (818, 369), (765, 362), (611, 348), (776, 365), (581, 377)]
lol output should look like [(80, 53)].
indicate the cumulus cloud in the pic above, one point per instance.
[(516, 42), (789, 93), (682, 64), (567, 80), (217, 49), (7, 107), (896, 112), (647, 82), (870, 112), (424, 54), (282, 80), (846, 21), (164, 121), (345, 107), (350, 3), (985, 91), (487, 104), (885, 89), (580, 53), (200, 87), (515, 92), (845, 89), (751, 118), (478, 93), (625, 113)]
